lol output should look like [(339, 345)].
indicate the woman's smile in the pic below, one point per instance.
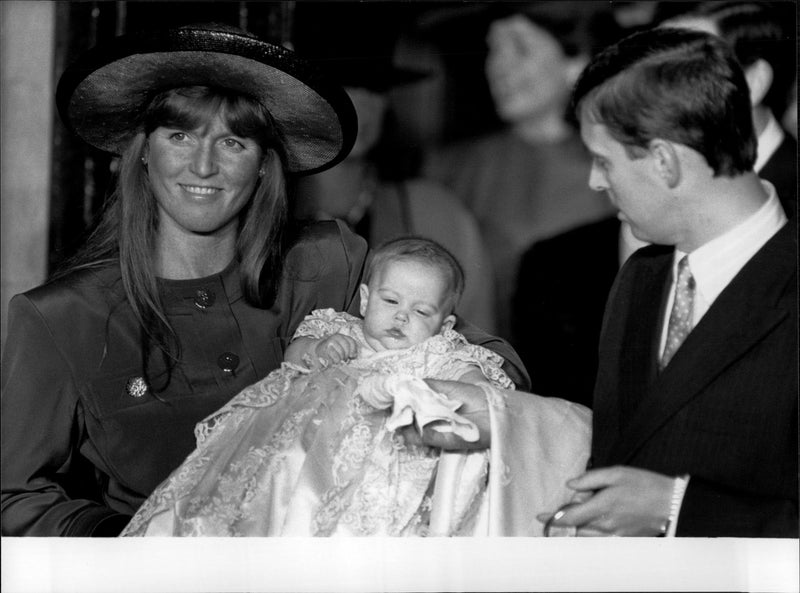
[(200, 189)]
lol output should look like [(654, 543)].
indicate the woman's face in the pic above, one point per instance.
[(201, 178), (527, 71)]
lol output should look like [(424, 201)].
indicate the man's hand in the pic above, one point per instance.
[(618, 501), (474, 407)]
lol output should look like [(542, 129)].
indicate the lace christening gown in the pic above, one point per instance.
[(313, 452)]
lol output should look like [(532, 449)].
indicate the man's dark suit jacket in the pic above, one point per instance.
[(781, 171), (725, 409), (563, 284), (562, 288)]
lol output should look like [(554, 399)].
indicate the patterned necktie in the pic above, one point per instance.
[(680, 319)]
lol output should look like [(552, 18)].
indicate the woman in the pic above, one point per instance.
[(192, 283)]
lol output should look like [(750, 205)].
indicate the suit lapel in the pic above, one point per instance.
[(743, 314), (639, 342)]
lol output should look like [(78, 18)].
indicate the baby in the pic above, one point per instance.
[(313, 449)]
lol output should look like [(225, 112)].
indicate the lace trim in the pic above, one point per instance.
[(380, 485), (448, 352)]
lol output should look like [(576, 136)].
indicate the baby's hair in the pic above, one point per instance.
[(424, 251)]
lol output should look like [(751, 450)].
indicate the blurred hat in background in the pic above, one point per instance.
[(582, 27), (355, 42)]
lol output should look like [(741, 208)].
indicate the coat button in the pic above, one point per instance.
[(136, 387), (228, 362), (204, 298)]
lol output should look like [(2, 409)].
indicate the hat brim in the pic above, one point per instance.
[(102, 95)]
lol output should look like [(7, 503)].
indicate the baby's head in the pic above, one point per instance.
[(411, 289)]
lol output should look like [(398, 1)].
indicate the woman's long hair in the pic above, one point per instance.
[(128, 225)]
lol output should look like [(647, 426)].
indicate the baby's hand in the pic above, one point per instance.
[(336, 348)]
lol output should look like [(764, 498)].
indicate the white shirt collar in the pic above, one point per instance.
[(768, 142), (717, 262)]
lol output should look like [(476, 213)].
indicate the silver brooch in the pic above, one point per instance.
[(136, 387)]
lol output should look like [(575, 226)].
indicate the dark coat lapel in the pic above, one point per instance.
[(638, 356), (742, 315)]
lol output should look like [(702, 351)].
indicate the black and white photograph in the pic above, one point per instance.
[(399, 296)]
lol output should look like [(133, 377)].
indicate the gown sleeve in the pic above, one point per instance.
[(325, 322), (538, 444), (41, 430), (513, 364)]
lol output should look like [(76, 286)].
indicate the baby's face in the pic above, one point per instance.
[(404, 305)]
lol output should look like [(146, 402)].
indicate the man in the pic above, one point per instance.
[(563, 281), (761, 36), (695, 404)]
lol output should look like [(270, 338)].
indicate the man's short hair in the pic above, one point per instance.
[(759, 31), (679, 85)]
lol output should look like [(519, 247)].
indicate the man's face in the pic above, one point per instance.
[(632, 184)]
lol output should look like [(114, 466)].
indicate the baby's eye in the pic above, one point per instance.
[(423, 313), (390, 300)]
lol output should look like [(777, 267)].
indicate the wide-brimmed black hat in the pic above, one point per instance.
[(102, 95)]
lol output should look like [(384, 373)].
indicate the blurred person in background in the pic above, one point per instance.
[(526, 181), (377, 189), (762, 37), (789, 119)]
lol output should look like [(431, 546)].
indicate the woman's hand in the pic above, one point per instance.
[(474, 407)]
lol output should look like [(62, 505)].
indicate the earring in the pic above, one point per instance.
[(144, 161), (261, 172)]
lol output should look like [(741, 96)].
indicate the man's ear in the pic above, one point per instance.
[(666, 161), (363, 293), (449, 322), (759, 79)]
